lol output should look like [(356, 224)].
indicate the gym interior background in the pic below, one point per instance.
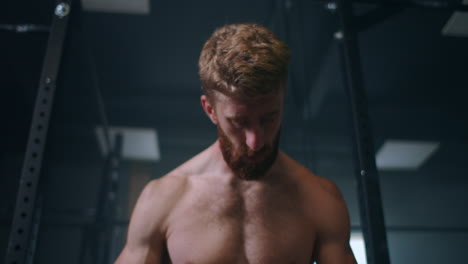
[(129, 68)]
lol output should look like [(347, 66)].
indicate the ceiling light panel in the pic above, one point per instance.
[(404, 155), (138, 7), (138, 143)]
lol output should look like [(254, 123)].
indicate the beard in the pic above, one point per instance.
[(240, 161)]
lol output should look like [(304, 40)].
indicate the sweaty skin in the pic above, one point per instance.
[(202, 213)]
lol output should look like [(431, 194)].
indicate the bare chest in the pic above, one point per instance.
[(257, 226)]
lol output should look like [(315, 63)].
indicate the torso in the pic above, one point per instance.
[(220, 221)]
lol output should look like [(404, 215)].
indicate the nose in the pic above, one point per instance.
[(254, 138)]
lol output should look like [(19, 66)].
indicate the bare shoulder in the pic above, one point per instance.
[(309, 179), (166, 191), (169, 185), (334, 215), (151, 218), (330, 188), (156, 200), (332, 226), (327, 198), (327, 210), (321, 193), (148, 224)]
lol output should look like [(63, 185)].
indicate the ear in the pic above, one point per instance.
[(209, 109)]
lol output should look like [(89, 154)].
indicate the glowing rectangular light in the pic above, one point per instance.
[(138, 143), (359, 247), (404, 155), (140, 7), (457, 25)]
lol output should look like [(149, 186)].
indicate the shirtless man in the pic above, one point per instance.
[(241, 200)]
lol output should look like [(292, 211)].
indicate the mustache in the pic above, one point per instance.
[(252, 153)]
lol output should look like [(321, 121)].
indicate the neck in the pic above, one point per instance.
[(219, 164)]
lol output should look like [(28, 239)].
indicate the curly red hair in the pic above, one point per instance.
[(243, 61)]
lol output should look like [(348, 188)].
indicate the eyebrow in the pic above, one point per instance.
[(242, 116), (273, 113), (235, 117)]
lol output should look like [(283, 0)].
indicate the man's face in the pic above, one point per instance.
[(249, 132)]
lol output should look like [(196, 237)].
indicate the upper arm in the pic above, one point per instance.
[(333, 233), (145, 238)]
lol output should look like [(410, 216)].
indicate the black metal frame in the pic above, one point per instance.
[(433, 4), (372, 218), (96, 243), (27, 213), (101, 231)]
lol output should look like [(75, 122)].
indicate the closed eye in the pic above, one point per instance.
[(269, 118), (239, 122)]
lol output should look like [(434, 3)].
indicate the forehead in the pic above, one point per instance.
[(260, 104)]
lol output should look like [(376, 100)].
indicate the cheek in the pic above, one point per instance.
[(237, 137), (234, 135), (272, 131), (272, 126)]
